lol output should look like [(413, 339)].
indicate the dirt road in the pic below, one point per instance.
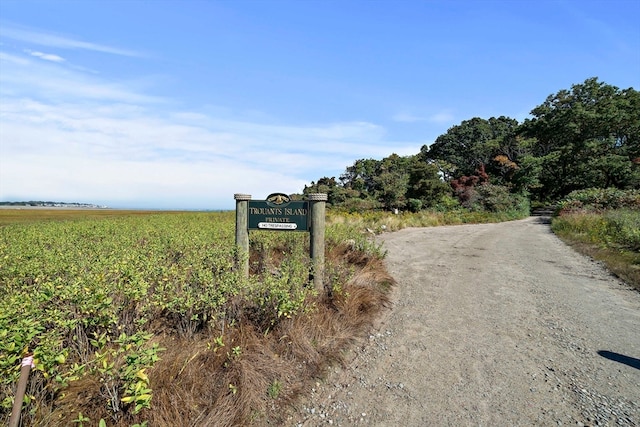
[(495, 324)]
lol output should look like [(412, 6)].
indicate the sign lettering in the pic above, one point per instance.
[(278, 212)]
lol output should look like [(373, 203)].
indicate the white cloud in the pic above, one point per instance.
[(41, 38), (45, 56), (127, 153), (444, 116), (69, 135)]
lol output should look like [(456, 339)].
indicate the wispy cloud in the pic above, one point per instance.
[(71, 150), (404, 117), (42, 38), (15, 60), (50, 79), (45, 56), (67, 134), (70, 136), (440, 117)]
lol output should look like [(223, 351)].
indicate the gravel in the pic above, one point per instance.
[(492, 324)]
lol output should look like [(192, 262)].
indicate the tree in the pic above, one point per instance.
[(360, 176), (425, 184), (391, 181), (336, 194), (395, 182), (586, 137), (473, 143)]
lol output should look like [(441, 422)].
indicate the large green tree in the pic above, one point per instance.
[(425, 187), (395, 182), (472, 144), (588, 136)]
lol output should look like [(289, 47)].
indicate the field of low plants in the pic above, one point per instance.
[(136, 319), (141, 318), (604, 224)]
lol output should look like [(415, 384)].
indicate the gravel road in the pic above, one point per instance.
[(492, 324)]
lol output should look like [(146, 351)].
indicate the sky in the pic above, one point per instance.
[(162, 104)]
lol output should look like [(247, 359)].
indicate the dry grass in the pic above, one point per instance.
[(258, 374)]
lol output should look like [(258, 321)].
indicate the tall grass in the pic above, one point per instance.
[(612, 236), (380, 221)]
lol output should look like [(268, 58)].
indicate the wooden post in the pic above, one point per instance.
[(317, 202), (242, 232), (27, 362)]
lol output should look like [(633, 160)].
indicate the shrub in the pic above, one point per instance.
[(623, 228), (598, 199), (497, 198), (414, 205)]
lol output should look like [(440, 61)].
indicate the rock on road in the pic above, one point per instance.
[(492, 324)]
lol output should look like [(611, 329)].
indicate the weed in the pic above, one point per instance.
[(274, 389)]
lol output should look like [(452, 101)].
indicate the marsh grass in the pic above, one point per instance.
[(142, 318), (27, 215)]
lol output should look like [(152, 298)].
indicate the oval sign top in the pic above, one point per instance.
[(278, 199)]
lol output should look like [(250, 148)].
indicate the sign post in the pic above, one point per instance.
[(242, 232), (318, 206), (279, 213)]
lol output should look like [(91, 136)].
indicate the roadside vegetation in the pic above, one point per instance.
[(144, 319), (585, 137), (604, 224)]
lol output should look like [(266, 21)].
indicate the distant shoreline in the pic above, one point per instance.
[(70, 207), (98, 208)]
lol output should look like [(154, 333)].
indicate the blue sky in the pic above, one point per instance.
[(180, 104)]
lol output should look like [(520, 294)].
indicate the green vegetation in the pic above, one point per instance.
[(586, 137), (380, 221), (25, 216), (605, 224), (101, 303)]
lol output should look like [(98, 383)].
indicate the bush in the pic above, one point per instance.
[(598, 199), (623, 228), (496, 198), (414, 205), (618, 228)]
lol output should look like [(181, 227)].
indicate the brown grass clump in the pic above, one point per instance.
[(239, 372)]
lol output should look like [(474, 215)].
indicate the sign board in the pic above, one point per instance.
[(278, 212)]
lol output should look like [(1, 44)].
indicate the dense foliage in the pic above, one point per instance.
[(588, 136), (88, 297), (599, 199)]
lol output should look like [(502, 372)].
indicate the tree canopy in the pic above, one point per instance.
[(585, 137), (395, 182)]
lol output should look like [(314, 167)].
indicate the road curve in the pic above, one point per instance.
[(492, 324)]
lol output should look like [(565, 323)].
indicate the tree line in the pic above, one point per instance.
[(584, 137)]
